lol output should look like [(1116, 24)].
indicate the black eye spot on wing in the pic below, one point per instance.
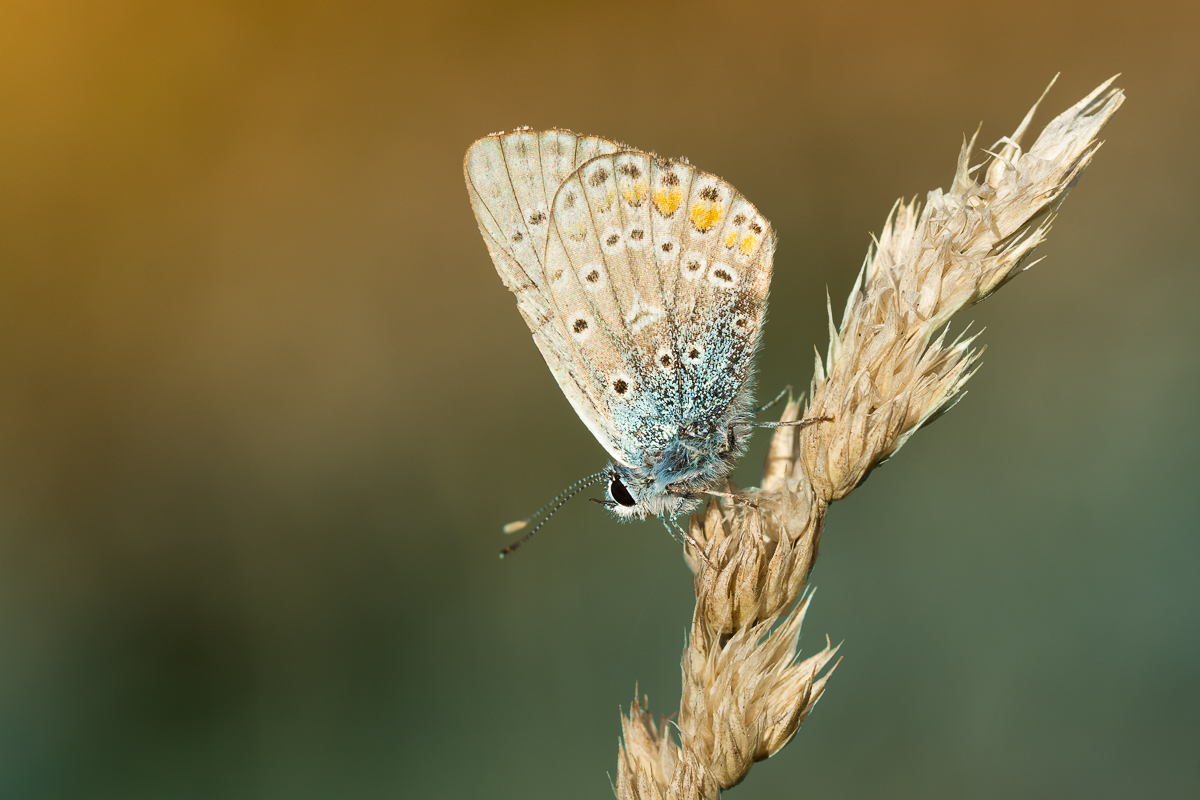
[(580, 325), (598, 177), (620, 386)]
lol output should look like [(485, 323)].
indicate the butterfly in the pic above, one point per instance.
[(644, 282)]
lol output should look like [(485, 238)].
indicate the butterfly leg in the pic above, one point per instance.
[(786, 390), (687, 538), (729, 496), (797, 423), (674, 529), (734, 497)]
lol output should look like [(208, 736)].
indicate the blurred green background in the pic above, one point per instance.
[(264, 403)]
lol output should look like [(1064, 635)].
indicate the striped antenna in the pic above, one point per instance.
[(554, 505)]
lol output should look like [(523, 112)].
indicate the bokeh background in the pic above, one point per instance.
[(264, 403)]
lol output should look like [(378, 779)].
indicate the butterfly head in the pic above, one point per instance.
[(631, 495), (691, 462)]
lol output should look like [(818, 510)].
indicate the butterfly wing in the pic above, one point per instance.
[(721, 292), (511, 179), (658, 274)]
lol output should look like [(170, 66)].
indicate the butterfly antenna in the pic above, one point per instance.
[(554, 505)]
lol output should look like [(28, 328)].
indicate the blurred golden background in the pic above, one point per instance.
[(264, 403)]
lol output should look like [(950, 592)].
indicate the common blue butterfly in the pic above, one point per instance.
[(644, 281)]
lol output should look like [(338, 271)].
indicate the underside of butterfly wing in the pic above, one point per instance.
[(660, 274), (721, 298), (511, 179)]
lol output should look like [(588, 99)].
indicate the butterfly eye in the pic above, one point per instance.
[(620, 493)]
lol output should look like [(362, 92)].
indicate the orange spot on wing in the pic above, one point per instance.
[(731, 239), (635, 194), (704, 215), (747, 245), (667, 201)]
